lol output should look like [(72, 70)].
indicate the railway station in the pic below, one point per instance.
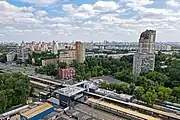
[(88, 94), (67, 95)]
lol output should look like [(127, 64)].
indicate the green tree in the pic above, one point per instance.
[(94, 72), (104, 85), (51, 69), (146, 83), (132, 88), (174, 77), (31, 92), (88, 75), (176, 92), (62, 65), (3, 101), (10, 97), (139, 91), (140, 81), (150, 97), (79, 77), (158, 77), (124, 75), (123, 87), (39, 56), (164, 93), (14, 89), (74, 64)]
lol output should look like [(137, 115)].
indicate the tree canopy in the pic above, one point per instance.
[(14, 90), (49, 69), (150, 97)]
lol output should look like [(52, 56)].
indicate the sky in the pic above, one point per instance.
[(88, 20)]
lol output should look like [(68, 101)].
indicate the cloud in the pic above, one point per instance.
[(41, 13), (136, 3), (27, 20), (85, 8), (99, 6), (9, 28), (28, 9), (2, 34), (86, 11), (82, 15), (68, 8), (39, 1), (105, 6), (8, 13), (57, 19), (121, 20), (5, 6), (152, 12), (173, 3)]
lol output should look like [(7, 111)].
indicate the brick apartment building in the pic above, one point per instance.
[(67, 73)]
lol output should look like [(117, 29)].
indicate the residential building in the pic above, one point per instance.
[(67, 53), (67, 73), (41, 46), (22, 53), (68, 61), (144, 59), (80, 52), (55, 47)]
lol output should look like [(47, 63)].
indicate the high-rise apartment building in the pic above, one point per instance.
[(55, 47), (147, 42), (80, 52), (144, 59), (22, 53)]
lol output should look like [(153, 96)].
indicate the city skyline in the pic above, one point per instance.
[(90, 20)]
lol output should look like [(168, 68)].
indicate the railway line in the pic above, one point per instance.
[(47, 82)]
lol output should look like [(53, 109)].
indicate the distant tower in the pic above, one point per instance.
[(54, 47), (144, 59), (80, 52)]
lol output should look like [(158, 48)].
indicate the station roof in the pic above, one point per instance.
[(70, 91), (37, 110), (124, 110), (171, 115), (80, 83)]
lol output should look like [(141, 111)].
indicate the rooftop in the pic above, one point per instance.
[(70, 91), (35, 111)]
